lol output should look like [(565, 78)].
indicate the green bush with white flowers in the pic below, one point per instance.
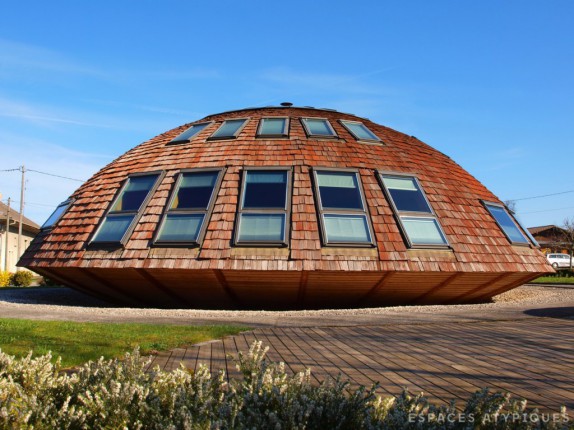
[(121, 394)]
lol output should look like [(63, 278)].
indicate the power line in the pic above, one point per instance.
[(31, 203), (56, 176), (43, 173), (544, 195), (546, 210)]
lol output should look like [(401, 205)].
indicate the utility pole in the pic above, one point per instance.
[(22, 186), (7, 234)]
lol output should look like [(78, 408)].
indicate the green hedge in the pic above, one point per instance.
[(120, 394)]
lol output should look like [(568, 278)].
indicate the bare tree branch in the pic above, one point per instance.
[(568, 235)]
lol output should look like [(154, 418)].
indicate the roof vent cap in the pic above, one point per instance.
[(286, 104)]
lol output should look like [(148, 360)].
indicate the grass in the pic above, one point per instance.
[(553, 280), (78, 343)]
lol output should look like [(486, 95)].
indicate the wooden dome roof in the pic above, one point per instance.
[(476, 261)]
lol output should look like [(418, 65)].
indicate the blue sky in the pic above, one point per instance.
[(489, 83)]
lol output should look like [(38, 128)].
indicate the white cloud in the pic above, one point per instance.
[(41, 115), (43, 193), (328, 81), (18, 56)]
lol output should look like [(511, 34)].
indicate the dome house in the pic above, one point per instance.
[(284, 208)]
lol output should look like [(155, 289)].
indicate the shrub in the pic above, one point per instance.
[(5, 278), (23, 278), (114, 394), (48, 282), (567, 273)]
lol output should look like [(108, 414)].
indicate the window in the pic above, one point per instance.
[(412, 209), (342, 208), (264, 207), (126, 209), (188, 134), (506, 223), (230, 129), (188, 208), (318, 127), (360, 131), (273, 127), (56, 215)]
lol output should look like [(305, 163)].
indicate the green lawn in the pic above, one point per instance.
[(553, 280), (78, 343)]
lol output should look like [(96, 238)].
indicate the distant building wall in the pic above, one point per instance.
[(13, 256)]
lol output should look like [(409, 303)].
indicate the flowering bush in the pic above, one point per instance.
[(4, 278), (120, 394), (22, 278)]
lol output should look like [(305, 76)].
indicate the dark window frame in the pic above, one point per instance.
[(357, 138), (519, 227), (398, 214), (66, 203), (176, 141), (137, 214), (285, 132), (207, 212), (235, 135), (334, 134), (321, 212), (286, 211)]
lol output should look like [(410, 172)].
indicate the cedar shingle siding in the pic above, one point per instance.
[(479, 263)]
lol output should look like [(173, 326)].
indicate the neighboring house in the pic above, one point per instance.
[(550, 238), (29, 230)]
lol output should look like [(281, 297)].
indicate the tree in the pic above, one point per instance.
[(568, 227), (511, 205)]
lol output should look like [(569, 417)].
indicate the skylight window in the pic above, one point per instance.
[(342, 208), (318, 127), (416, 217), (273, 127), (230, 129), (188, 134), (506, 223), (126, 209), (360, 131), (56, 215), (264, 207), (188, 208)]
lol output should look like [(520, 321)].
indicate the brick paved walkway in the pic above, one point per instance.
[(531, 358)]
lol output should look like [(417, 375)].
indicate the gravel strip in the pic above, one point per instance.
[(67, 304)]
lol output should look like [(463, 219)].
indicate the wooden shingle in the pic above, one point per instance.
[(478, 248)]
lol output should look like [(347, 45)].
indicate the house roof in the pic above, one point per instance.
[(536, 230), (545, 228), (27, 223), (477, 242)]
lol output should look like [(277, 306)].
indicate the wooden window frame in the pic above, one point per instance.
[(334, 134), (286, 211), (412, 214), (235, 135), (521, 229), (160, 174), (285, 132), (207, 212), (344, 123), (176, 141), (66, 203), (321, 212)]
